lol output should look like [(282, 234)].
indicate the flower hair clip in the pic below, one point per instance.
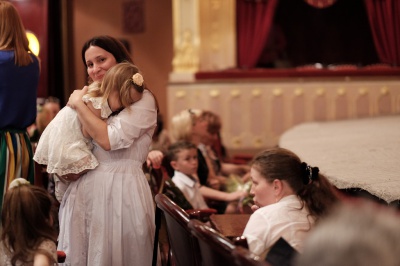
[(138, 79), (18, 182)]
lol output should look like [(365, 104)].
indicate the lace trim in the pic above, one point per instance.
[(87, 163), (98, 104)]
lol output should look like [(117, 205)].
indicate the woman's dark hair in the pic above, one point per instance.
[(114, 47), (26, 220), (309, 185), (111, 45)]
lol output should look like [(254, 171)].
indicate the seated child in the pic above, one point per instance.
[(182, 157), (28, 236), (64, 146)]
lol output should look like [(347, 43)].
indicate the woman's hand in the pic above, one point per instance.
[(76, 97), (154, 158), (74, 177), (254, 207)]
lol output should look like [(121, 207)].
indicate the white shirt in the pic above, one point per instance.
[(283, 219), (190, 189)]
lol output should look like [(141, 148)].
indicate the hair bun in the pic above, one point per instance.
[(18, 182), (309, 173)]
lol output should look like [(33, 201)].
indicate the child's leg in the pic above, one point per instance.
[(60, 186)]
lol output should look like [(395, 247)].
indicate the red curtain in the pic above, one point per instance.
[(384, 19), (254, 23)]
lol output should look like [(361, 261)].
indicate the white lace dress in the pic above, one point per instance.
[(62, 146), (107, 216)]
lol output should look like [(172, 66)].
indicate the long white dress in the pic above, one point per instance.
[(107, 216)]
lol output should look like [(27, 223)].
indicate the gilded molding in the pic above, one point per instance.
[(235, 93), (180, 94), (258, 142), (237, 142), (256, 93), (362, 91), (214, 93), (298, 92), (320, 91), (277, 92), (341, 91), (186, 57)]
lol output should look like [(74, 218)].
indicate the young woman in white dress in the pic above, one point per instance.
[(107, 215), (64, 146)]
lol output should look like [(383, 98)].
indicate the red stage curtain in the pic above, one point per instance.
[(384, 19), (254, 23)]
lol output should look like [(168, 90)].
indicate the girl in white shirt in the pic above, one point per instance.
[(289, 197)]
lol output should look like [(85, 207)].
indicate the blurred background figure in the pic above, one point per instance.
[(45, 113), (161, 139), (362, 234)]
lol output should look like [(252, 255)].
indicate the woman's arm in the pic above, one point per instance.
[(97, 112), (93, 125)]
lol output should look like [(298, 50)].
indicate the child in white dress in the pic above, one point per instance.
[(64, 146)]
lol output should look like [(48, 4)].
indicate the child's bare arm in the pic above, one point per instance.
[(214, 194), (97, 112)]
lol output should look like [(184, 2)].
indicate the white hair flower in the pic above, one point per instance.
[(18, 182), (138, 79)]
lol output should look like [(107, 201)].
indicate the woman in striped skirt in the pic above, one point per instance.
[(19, 78)]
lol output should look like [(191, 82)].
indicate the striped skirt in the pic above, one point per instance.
[(15, 158)]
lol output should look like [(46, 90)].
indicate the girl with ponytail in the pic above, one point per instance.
[(289, 196)]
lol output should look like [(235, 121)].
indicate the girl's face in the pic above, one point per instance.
[(186, 162), (98, 61), (135, 95), (211, 137), (200, 128), (262, 190), (113, 101)]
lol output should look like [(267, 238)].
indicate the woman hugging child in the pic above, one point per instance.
[(65, 147)]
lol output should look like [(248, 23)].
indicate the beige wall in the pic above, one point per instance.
[(256, 112), (151, 50)]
